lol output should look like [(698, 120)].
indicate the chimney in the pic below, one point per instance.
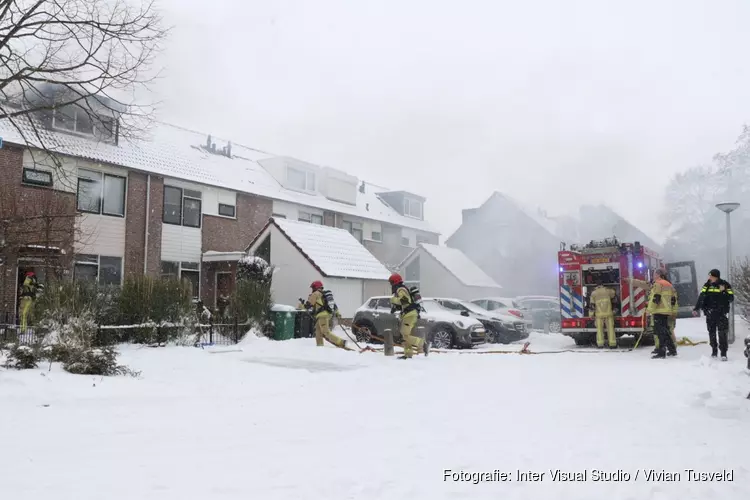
[(362, 187), (213, 147), (229, 149), (208, 142)]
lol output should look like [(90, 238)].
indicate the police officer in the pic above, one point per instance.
[(402, 302), (321, 313), (661, 306), (715, 299), (601, 299)]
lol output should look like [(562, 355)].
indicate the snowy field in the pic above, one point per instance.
[(287, 420)]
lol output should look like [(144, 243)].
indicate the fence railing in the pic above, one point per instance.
[(227, 332)]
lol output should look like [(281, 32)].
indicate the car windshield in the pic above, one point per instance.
[(431, 305)]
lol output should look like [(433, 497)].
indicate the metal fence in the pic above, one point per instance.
[(227, 332)]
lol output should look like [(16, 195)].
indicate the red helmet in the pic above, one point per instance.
[(316, 284), (395, 279), (30, 273)]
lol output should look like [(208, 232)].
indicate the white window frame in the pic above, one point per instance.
[(409, 203), (218, 211), (195, 196), (355, 226), (102, 178), (309, 218), (77, 110), (190, 269), (98, 265), (309, 179)]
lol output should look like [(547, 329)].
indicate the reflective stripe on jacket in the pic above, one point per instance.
[(660, 300)]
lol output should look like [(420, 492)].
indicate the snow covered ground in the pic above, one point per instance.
[(287, 420)]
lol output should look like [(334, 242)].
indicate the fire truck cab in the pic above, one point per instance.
[(610, 263)]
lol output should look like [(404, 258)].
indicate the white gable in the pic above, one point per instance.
[(460, 266), (336, 252)]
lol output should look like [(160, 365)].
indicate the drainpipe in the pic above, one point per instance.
[(148, 214)]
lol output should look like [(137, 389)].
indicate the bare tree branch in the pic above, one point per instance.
[(85, 54)]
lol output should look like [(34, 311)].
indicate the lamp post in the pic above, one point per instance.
[(728, 208)]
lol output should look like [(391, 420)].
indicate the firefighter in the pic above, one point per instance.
[(601, 299), (715, 298), (321, 313), (29, 290), (661, 305), (403, 302), (646, 285)]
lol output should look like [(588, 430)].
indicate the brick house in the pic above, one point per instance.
[(175, 204)]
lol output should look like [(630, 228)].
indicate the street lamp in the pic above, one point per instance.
[(728, 208)]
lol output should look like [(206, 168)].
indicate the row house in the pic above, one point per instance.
[(181, 203)]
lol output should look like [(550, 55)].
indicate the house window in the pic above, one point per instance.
[(301, 180), (186, 271), (37, 177), (376, 236), (73, 119), (412, 208), (100, 193), (98, 269), (355, 229), (312, 218), (226, 210), (182, 207)]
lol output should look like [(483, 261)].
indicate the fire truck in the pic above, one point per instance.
[(610, 263)]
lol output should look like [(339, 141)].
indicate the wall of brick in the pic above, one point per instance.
[(135, 224), (222, 234), (36, 216)]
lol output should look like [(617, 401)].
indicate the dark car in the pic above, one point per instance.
[(542, 309), (501, 328), (443, 328)]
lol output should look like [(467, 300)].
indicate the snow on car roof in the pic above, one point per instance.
[(335, 252), (178, 152)]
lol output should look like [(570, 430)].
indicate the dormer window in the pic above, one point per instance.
[(73, 119), (301, 180), (412, 208)]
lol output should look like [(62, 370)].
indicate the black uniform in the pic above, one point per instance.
[(715, 305)]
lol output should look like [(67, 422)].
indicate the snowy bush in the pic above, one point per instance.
[(144, 299), (99, 361), (740, 281), (55, 353), (22, 357), (252, 300), (71, 332)]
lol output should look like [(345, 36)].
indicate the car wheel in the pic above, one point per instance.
[(555, 326), (364, 333), (442, 338), (490, 337)]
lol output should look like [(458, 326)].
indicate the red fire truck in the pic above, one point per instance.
[(610, 263)]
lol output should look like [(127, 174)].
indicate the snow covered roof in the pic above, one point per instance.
[(176, 152), (333, 251), (456, 263)]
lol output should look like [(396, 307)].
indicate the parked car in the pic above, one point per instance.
[(504, 305), (442, 327), (542, 309), (501, 328)]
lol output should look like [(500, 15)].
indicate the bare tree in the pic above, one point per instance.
[(78, 57)]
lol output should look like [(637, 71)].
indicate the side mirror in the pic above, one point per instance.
[(464, 313)]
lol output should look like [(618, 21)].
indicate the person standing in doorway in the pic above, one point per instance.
[(714, 300), (29, 289)]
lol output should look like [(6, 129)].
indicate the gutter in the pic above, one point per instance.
[(148, 210)]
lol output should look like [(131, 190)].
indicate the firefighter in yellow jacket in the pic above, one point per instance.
[(662, 306), (321, 313), (645, 285), (29, 290), (402, 301), (601, 298)]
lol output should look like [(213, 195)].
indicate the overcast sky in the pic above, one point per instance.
[(555, 103)]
